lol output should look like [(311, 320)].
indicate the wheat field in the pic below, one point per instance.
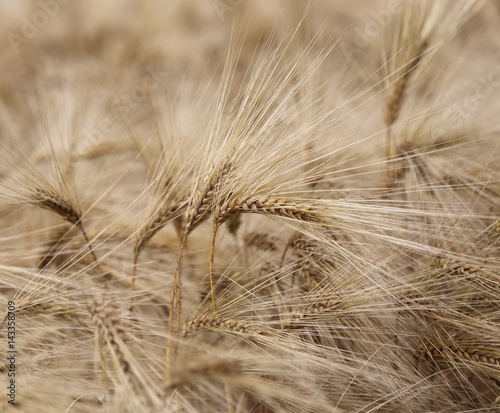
[(250, 206)]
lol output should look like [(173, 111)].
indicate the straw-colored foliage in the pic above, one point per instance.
[(250, 206)]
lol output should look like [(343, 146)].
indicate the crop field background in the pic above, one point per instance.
[(250, 206)]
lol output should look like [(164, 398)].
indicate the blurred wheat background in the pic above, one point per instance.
[(251, 206)]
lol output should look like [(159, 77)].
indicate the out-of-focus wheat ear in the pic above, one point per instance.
[(110, 331), (308, 269), (99, 339), (289, 244), (395, 100), (261, 241), (199, 370), (494, 405), (410, 41), (211, 321), (61, 311), (331, 302), (494, 230), (264, 205), (52, 201), (52, 248), (422, 28)]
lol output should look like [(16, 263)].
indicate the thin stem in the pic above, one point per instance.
[(229, 398), (178, 290), (132, 283), (282, 261), (175, 301), (388, 154), (94, 256), (211, 266), (104, 364)]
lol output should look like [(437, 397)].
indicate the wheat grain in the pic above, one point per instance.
[(215, 322), (453, 353), (51, 201), (269, 206)]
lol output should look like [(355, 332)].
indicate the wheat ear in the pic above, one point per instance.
[(203, 199), (317, 307), (64, 312), (438, 352), (156, 223), (409, 46), (51, 201), (213, 321), (199, 370), (111, 331), (395, 101), (268, 206)]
